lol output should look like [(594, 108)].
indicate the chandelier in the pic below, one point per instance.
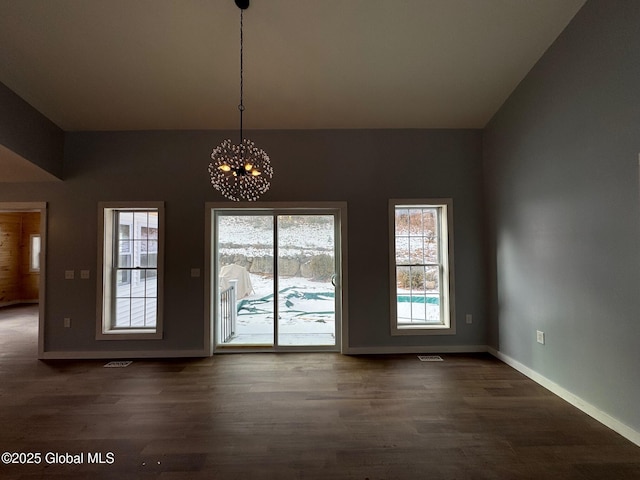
[(240, 171)]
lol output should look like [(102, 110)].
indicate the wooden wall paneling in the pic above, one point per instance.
[(10, 228)]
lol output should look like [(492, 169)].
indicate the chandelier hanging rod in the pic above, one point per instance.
[(242, 5), (242, 171)]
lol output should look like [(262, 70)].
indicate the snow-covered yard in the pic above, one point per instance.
[(306, 313)]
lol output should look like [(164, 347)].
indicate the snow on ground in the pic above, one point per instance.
[(306, 309)]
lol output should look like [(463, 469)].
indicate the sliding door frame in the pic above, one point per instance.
[(339, 209)]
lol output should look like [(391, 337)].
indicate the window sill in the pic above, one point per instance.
[(423, 330), (129, 335)]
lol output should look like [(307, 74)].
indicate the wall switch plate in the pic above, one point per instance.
[(540, 337), (69, 274), (67, 322), (85, 274), (195, 272), (469, 318)]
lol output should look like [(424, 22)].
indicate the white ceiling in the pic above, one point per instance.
[(174, 64)]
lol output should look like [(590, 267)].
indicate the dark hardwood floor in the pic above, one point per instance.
[(292, 416)]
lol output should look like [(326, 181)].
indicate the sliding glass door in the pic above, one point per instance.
[(277, 275), (245, 266), (305, 280)]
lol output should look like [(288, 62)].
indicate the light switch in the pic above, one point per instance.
[(85, 274), (69, 274), (195, 272)]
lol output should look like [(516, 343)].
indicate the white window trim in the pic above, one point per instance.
[(448, 327), (105, 253)]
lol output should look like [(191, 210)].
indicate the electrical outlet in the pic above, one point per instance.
[(85, 274), (67, 322), (69, 274), (540, 337), (469, 318)]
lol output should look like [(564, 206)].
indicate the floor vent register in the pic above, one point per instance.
[(118, 364), (430, 358)]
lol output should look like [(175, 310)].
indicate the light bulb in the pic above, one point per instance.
[(225, 168)]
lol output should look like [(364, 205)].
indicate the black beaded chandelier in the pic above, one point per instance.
[(240, 172)]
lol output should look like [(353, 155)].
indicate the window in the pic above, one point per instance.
[(421, 267), (131, 277), (34, 253)]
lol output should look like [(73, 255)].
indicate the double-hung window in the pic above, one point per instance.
[(130, 283), (421, 260)]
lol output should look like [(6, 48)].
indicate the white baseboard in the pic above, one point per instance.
[(603, 417), (115, 355), (418, 349)]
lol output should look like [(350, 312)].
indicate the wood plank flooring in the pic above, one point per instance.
[(293, 416)]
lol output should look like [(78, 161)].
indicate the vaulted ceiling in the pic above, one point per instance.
[(174, 64)]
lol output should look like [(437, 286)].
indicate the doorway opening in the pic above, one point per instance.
[(23, 264), (276, 276)]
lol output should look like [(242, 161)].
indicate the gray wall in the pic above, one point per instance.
[(363, 168), (28, 133), (561, 161)]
